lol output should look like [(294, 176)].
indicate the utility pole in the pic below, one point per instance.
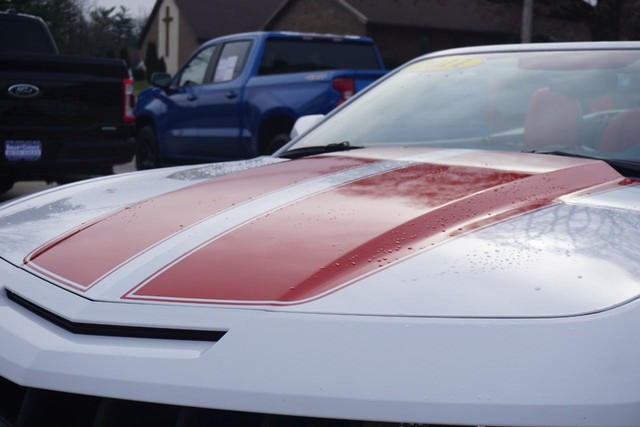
[(527, 21)]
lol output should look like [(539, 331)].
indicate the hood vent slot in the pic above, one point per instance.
[(116, 330)]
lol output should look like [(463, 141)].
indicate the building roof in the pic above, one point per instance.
[(450, 14), (214, 18), (483, 15)]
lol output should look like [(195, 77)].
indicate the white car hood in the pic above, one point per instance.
[(427, 233)]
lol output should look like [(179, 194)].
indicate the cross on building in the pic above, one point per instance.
[(167, 21)]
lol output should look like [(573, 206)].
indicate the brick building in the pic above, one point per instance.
[(402, 29)]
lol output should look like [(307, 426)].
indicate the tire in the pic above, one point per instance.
[(147, 151), (277, 142)]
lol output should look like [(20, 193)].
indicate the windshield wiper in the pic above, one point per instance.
[(318, 149), (628, 168)]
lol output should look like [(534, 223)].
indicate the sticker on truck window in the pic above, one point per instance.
[(446, 63), (225, 69)]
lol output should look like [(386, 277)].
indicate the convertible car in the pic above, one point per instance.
[(457, 245)]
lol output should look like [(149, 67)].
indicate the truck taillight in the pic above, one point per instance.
[(345, 87), (128, 101)]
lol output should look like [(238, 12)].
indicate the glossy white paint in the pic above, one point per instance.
[(526, 321), (545, 263), (31, 221), (492, 327), (460, 371), (556, 261)]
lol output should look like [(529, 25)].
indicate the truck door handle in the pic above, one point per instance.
[(191, 97), (232, 94)]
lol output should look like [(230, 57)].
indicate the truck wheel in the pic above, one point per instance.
[(277, 142), (147, 154), (5, 185)]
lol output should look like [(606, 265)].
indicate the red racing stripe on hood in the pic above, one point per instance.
[(319, 244), (81, 257)]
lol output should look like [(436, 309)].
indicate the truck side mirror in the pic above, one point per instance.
[(305, 123), (161, 80)]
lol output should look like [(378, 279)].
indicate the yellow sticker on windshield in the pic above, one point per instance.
[(446, 63)]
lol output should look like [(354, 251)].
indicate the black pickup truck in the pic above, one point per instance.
[(61, 117)]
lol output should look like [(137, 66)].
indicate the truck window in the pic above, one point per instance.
[(25, 36), (231, 61), (195, 71), (294, 56)]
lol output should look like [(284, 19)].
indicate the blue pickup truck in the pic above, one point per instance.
[(238, 96)]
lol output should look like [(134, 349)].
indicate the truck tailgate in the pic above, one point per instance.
[(72, 92)]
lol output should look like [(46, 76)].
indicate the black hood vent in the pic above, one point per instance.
[(117, 330)]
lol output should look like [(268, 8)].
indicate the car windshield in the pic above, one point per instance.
[(582, 103)]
